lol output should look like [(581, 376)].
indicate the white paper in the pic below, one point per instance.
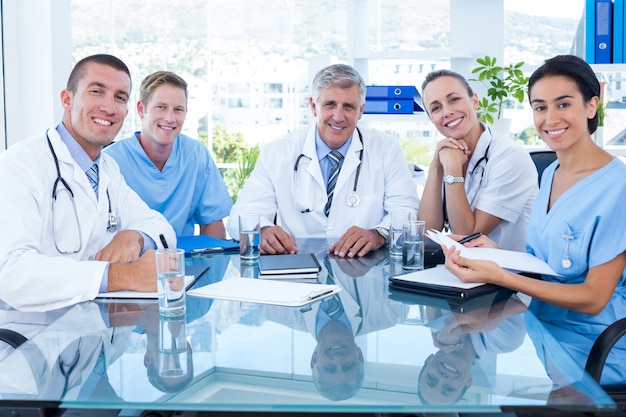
[(516, 261), (137, 294), (284, 293), (438, 275)]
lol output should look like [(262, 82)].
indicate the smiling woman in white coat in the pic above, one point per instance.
[(290, 185)]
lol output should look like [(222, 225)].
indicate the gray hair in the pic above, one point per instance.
[(337, 75)]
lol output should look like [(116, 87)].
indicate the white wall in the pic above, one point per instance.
[(37, 60)]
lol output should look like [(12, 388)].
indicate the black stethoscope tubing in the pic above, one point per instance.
[(353, 198), (111, 222)]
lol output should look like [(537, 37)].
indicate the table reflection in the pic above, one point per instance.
[(486, 327), (366, 347)]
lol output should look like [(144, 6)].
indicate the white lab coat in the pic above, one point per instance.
[(384, 184), (33, 274), (32, 371)]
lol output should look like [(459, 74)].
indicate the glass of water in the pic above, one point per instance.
[(249, 237), (398, 217), (170, 266), (413, 244)]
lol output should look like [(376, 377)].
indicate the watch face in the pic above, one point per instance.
[(449, 179)]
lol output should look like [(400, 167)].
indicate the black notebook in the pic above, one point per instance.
[(454, 303), (297, 263), (439, 282)]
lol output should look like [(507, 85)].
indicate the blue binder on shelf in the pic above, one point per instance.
[(392, 99), (619, 33), (407, 92), (590, 31), (604, 31), (391, 106)]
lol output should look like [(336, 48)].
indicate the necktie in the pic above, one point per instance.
[(335, 158), (331, 306), (92, 174)]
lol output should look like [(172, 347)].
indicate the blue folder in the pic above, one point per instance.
[(590, 31), (391, 106), (391, 91), (618, 31), (604, 31), (205, 244)]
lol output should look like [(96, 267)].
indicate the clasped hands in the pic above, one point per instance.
[(451, 152)]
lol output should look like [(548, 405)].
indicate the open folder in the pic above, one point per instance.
[(189, 281), (205, 244), (192, 274), (439, 282), (515, 261), (282, 293)]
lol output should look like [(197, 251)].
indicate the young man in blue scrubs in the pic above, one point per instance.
[(173, 173)]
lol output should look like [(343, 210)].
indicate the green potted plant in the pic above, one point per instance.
[(504, 83)]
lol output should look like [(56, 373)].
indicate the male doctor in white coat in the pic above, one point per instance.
[(97, 233), (289, 185)]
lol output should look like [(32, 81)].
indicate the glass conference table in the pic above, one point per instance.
[(384, 352)]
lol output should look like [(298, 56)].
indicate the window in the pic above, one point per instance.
[(260, 56)]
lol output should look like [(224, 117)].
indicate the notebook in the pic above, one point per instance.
[(287, 264), (192, 273), (439, 282)]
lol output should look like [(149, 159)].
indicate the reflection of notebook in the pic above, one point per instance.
[(446, 302)]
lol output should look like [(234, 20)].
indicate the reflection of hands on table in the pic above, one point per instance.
[(358, 267)]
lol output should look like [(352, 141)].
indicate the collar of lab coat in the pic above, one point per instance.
[(350, 163)]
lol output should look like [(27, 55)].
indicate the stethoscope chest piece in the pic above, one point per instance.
[(566, 262), (353, 200)]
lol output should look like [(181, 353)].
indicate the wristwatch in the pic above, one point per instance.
[(449, 179), (384, 233)]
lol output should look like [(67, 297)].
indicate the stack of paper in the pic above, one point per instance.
[(515, 261), (283, 293), (289, 266)]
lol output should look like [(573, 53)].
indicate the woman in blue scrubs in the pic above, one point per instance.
[(577, 224)]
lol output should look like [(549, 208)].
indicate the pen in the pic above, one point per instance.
[(203, 250), (317, 294), (163, 241), (470, 237)]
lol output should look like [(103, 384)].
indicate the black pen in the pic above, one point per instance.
[(317, 294), (470, 237), (163, 241)]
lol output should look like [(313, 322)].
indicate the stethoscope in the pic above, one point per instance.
[(111, 222), (66, 369), (353, 198)]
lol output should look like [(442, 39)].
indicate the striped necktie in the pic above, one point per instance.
[(335, 159), (92, 174)]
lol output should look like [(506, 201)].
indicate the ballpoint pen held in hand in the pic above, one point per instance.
[(470, 237)]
